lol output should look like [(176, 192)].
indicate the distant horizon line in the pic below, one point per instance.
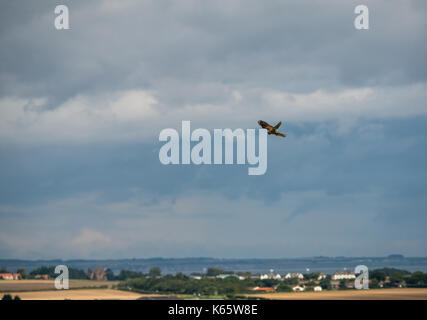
[(400, 256)]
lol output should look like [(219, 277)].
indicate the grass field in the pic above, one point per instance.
[(372, 294), (37, 285)]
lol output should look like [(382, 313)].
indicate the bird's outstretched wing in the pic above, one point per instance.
[(277, 125), (280, 134)]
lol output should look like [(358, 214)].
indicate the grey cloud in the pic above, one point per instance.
[(297, 46), (193, 222), (81, 111)]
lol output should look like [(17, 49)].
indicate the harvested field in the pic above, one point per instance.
[(36, 285), (372, 294), (83, 294)]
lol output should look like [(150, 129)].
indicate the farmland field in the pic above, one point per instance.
[(93, 290), (36, 285), (373, 294), (80, 294)]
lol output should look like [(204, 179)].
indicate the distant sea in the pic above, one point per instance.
[(326, 265)]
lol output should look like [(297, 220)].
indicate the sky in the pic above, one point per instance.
[(81, 111)]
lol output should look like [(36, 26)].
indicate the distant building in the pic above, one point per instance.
[(225, 275), (196, 277), (271, 275), (317, 288), (42, 276), (298, 289), (343, 275), (298, 275), (10, 276), (321, 276), (97, 274)]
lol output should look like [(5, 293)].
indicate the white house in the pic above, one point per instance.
[(317, 288), (343, 275), (298, 275), (225, 275), (298, 289), (271, 276), (321, 276)]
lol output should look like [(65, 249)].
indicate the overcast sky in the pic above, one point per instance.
[(81, 111)]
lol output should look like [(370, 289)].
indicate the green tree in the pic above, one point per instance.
[(7, 297), (110, 274), (129, 274), (417, 279), (154, 272), (312, 276), (269, 282), (17, 298), (325, 284), (291, 281), (23, 273), (342, 285), (50, 271), (284, 288), (77, 274), (380, 275), (390, 271), (180, 276), (213, 272), (373, 284), (396, 279)]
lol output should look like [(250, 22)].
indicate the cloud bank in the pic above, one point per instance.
[(81, 111)]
